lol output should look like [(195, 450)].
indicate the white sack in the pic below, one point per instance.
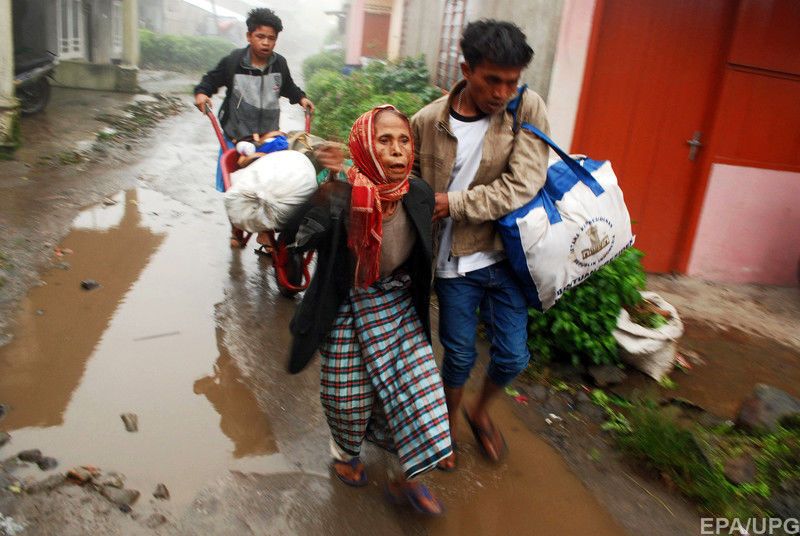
[(264, 194)]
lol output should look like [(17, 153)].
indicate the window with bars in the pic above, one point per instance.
[(447, 67), (116, 29), (71, 32)]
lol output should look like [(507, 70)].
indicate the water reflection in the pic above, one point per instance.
[(61, 324), (240, 417)]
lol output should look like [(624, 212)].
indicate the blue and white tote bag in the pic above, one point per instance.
[(577, 223)]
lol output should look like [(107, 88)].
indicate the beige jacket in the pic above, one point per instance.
[(511, 171)]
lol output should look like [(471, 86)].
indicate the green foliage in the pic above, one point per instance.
[(579, 326), (180, 52), (693, 458), (341, 99), (323, 61)]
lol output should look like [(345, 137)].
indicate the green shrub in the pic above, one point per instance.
[(341, 99), (180, 52), (687, 459), (579, 326), (323, 61)]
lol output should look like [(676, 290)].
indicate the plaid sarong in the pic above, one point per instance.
[(379, 380)]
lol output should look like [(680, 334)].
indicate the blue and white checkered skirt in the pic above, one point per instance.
[(379, 380)]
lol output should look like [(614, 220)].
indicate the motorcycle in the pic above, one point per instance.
[(31, 83)]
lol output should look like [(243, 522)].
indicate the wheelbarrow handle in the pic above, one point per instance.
[(308, 121), (217, 128)]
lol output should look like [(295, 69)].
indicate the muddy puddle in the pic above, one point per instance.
[(731, 363), (146, 342), (192, 337)]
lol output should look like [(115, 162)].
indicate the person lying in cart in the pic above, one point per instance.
[(255, 77)]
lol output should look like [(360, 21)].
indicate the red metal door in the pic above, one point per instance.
[(651, 85)]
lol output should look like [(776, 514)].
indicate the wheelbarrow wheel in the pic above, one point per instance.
[(294, 274)]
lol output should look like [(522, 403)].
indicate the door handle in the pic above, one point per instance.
[(694, 145)]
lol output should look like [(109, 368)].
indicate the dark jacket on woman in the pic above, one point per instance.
[(322, 226)]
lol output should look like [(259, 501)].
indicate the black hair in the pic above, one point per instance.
[(498, 42), (263, 16)]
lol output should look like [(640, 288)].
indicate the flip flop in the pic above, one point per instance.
[(412, 496), (353, 463), (481, 434)]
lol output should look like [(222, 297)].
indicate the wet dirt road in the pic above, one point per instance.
[(192, 337)]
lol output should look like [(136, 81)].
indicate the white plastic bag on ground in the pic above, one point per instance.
[(264, 194), (649, 350)]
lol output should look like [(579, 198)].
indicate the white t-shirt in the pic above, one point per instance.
[(470, 132)]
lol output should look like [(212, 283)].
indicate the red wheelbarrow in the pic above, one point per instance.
[(291, 269)]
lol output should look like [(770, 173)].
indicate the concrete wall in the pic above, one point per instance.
[(421, 29), (539, 19), (103, 77), (749, 228), (569, 64)]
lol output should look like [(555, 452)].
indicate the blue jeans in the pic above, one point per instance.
[(502, 309)]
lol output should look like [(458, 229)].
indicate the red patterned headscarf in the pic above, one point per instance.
[(371, 188)]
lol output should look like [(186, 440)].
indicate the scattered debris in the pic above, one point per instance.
[(161, 492), (112, 479), (47, 463), (120, 497), (155, 521), (83, 474), (48, 484), (9, 526), (30, 455), (89, 284), (604, 375), (131, 421), (157, 336), (552, 418)]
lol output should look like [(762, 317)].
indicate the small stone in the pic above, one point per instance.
[(5, 437), (741, 470), (765, 408), (125, 508), (31, 455), (539, 392), (581, 396), (155, 521), (604, 375), (3, 411), (592, 412), (115, 480), (47, 463), (118, 496), (39, 312), (131, 421), (109, 202), (48, 484), (89, 284), (81, 474), (161, 492)]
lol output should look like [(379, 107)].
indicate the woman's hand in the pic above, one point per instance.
[(330, 156)]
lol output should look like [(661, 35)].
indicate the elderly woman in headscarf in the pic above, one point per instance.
[(366, 310)]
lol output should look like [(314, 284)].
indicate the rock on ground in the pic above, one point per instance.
[(765, 408)]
